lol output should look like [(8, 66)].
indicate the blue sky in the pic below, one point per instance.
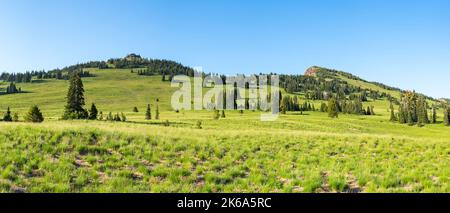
[(400, 43)]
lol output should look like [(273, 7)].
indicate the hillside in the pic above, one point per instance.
[(299, 152)]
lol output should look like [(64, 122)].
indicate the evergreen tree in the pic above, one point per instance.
[(75, 99), (332, 108), (223, 114), (34, 115), (368, 112), (7, 117), (110, 117), (393, 117), (15, 117), (323, 107), (157, 112), (101, 116), (446, 115), (116, 117), (148, 113), (124, 118), (401, 115), (433, 114), (93, 112), (216, 114), (135, 109), (372, 112)]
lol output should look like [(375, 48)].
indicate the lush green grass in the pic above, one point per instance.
[(239, 153)]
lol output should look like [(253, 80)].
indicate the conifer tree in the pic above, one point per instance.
[(75, 99), (148, 113), (16, 117), (123, 117), (401, 115), (7, 117), (223, 114), (216, 114), (135, 109), (34, 115), (323, 107), (446, 115), (433, 114), (93, 112), (393, 117), (332, 108), (157, 112), (101, 116), (110, 117), (117, 117), (372, 112)]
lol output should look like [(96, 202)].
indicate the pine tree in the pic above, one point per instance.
[(368, 112), (332, 108), (15, 117), (216, 114), (372, 112), (135, 109), (401, 115), (433, 114), (393, 117), (148, 113), (75, 99), (446, 116), (323, 107), (101, 116), (93, 112), (117, 117), (223, 114), (124, 118), (7, 117), (34, 115), (157, 112), (110, 117)]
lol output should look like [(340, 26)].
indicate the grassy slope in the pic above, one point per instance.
[(296, 153)]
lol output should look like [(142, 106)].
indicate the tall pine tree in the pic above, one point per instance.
[(75, 99), (446, 115), (332, 108), (93, 112), (393, 117), (148, 113), (7, 117)]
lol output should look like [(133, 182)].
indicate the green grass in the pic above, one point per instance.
[(239, 153)]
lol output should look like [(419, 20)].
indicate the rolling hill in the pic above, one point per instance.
[(189, 151)]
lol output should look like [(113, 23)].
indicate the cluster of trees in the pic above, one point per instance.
[(17, 77), (115, 117), (323, 87), (148, 112), (334, 107), (33, 115), (413, 109), (289, 103), (61, 74), (151, 66), (12, 88)]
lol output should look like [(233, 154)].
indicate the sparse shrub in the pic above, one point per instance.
[(198, 125), (166, 123), (16, 117)]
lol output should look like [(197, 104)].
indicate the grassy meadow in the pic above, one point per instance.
[(307, 152)]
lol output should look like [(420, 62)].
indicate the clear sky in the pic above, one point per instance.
[(403, 43)]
